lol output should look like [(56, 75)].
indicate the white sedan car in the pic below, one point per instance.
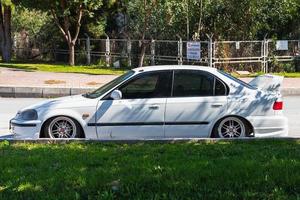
[(161, 102)]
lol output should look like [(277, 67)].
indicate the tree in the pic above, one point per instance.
[(67, 15), (278, 19), (5, 29), (143, 21), (30, 20)]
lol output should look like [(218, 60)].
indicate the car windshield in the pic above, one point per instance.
[(237, 80), (108, 86)]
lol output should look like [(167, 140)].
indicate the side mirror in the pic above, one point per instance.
[(116, 95)]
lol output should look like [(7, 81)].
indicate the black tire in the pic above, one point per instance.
[(216, 133), (78, 131)]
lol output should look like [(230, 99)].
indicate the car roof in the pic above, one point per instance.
[(172, 67)]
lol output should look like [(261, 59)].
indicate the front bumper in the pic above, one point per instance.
[(269, 126), (25, 129)]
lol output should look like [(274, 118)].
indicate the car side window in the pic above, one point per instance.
[(188, 83), (220, 88), (148, 85)]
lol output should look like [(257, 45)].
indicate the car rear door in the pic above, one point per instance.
[(198, 98), (140, 112)]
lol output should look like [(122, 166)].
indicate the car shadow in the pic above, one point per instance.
[(7, 136)]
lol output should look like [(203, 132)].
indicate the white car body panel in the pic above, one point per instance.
[(159, 118), (269, 126), (182, 112), (137, 112)]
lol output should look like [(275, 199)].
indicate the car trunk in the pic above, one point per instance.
[(270, 86), (268, 83)]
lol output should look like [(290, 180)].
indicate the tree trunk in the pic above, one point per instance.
[(5, 33), (142, 55), (143, 44), (71, 54), (200, 20), (6, 53), (7, 25)]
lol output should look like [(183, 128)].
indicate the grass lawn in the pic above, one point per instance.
[(285, 74), (289, 74), (92, 69), (265, 169)]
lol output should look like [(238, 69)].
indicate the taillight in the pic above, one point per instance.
[(278, 105)]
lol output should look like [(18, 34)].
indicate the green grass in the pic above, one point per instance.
[(265, 169), (289, 74), (92, 69), (285, 74)]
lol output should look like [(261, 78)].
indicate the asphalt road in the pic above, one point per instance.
[(10, 106)]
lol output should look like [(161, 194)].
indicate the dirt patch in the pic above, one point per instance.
[(94, 83), (52, 82)]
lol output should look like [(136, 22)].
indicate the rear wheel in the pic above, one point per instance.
[(230, 127), (62, 127)]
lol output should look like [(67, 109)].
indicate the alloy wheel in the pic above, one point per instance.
[(231, 127), (62, 127)]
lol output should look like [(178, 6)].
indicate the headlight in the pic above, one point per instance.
[(30, 114)]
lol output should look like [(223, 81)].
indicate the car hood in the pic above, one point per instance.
[(64, 102)]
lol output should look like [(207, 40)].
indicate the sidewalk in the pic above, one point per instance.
[(21, 78), (21, 83)]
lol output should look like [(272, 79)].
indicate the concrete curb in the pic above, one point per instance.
[(167, 140), (40, 92), (290, 91), (49, 92)]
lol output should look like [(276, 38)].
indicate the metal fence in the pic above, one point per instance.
[(259, 55)]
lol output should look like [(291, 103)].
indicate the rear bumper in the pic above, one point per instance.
[(25, 129), (269, 126)]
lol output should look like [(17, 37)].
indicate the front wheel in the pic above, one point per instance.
[(230, 127), (62, 127)]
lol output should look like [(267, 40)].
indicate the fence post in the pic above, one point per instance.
[(179, 57), (88, 49), (129, 52), (263, 55), (152, 52), (210, 50), (107, 51), (213, 54), (266, 56)]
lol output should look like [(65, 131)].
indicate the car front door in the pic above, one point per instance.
[(198, 98), (139, 114)]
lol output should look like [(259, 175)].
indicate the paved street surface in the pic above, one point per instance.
[(292, 111), (8, 109), (10, 106)]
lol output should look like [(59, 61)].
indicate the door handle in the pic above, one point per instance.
[(216, 105), (154, 107)]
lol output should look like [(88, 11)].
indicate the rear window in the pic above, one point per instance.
[(237, 80)]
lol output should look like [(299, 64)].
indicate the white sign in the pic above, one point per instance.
[(193, 50), (282, 45), (237, 45)]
